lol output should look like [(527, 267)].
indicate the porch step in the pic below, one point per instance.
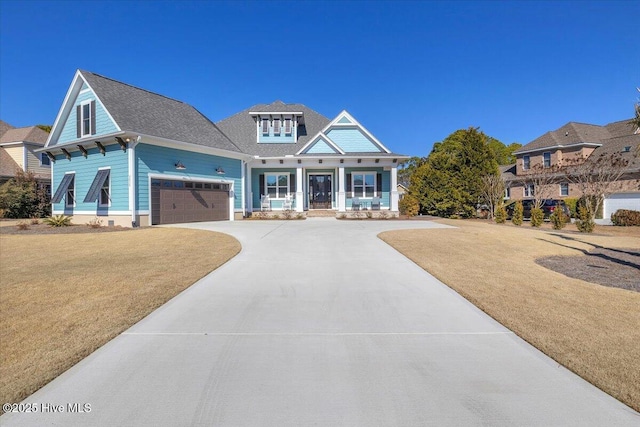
[(321, 213)]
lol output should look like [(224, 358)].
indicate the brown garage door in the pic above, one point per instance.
[(179, 201)]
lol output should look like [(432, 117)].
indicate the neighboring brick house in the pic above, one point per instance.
[(575, 142), (17, 152)]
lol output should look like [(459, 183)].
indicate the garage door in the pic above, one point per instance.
[(621, 201), (179, 201)]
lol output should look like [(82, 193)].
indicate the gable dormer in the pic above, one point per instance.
[(277, 127)]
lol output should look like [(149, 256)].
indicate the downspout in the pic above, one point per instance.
[(131, 152)]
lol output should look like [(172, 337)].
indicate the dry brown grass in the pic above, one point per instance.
[(591, 329), (63, 296)]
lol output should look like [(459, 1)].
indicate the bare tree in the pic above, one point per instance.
[(544, 180), (598, 177), (492, 191)]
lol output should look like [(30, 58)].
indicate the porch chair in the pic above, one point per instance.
[(375, 204), (355, 204), (265, 203), (287, 204)]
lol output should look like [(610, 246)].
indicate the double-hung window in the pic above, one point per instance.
[(364, 184), (70, 196), (546, 157), (105, 192), (529, 190), (265, 126), (276, 126), (526, 162), (100, 189), (564, 189), (45, 160), (287, 126), (277, 185)]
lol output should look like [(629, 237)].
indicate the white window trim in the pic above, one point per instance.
[(66, 192), (375, 184), (565, 184), (287, 126), (42, 164), (277, 127), (82, 105), (526, 193), (262, 124), (544, 163), (277, 174), (507, 193), (526, 167), (100, 204)]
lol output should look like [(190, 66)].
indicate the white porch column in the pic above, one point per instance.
[(249, 195), (299, 193), (394, 189), (342, 199)]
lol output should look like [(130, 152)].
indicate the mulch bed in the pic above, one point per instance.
[(46, 229), (618, 268)]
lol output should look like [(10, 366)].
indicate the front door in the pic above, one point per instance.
[(320, 191)]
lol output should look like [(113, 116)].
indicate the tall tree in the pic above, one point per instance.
[(449, 182), (635, 122), (46, 128), (503, 153), (407, 168)]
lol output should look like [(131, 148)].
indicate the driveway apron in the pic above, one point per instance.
[(319, 322)]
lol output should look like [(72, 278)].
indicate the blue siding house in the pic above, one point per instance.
[(132, 157)]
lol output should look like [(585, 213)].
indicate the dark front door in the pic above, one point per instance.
[(320, 191)]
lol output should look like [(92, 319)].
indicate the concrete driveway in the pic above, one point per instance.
[(319, 322)]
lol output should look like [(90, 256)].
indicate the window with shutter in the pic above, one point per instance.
[(287, 126), (276, 126)]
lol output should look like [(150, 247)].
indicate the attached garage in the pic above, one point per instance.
[(175, 201), (620, 201)]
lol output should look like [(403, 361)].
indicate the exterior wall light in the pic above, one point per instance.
[(219, 170), (179, 166)]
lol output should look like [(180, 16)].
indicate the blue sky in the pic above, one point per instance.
[(411, 72)]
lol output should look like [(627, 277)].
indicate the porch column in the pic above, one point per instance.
[(342, 200), (394, 189), (249, 196), (299, 194)]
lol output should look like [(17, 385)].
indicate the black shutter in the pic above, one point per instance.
[(93, 117), (64, 185), (292, 183), (348, 186), (78, 121), (96, 186), (261, 178), (379, 184)]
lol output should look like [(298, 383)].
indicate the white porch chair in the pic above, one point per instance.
[(265, 203), (287, 204)]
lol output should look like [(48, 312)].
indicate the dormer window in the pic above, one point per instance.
[(265, 126), (287, 126), (276, 126), (526, 162), (86, 119)]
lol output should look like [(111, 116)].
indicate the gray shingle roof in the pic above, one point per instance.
[(569, 134), (27, 134), (151, 114), (4, 126), (508, 172), (617, 145), (241, 128)]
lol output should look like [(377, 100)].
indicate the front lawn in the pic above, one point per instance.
[(64, 295), (591, 329)]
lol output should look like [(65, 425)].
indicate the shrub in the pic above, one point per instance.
[(409, 205), (625, 217), (58, 221), (584, 223), (95, 223), (537, 217), (299, 216), (558, 218), (369, 214), (35, 221), (342, 216), (518, 213), (22, 225), (501, 214), (287, 214), (572, 204), (383, 215), (21, 197)]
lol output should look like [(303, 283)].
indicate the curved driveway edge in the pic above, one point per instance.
[(319, 322)]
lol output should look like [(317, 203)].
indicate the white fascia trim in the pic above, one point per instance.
[(579, 144), (354, 122), (65, 109), (276, 113), (187, 146), (6, 144), (314, 140), (72, 145), (96, 212)]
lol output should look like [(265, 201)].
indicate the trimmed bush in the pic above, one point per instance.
[(518, 213), (501, 214), (558, 218), (572, 204), (537, 217), (584, 223), (409, 205), (625, 217)]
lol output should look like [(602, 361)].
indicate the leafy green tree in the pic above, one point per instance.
[(409, 205), (407, 168), (449, 182), (21, 197), (503, 153), (46, 128)]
